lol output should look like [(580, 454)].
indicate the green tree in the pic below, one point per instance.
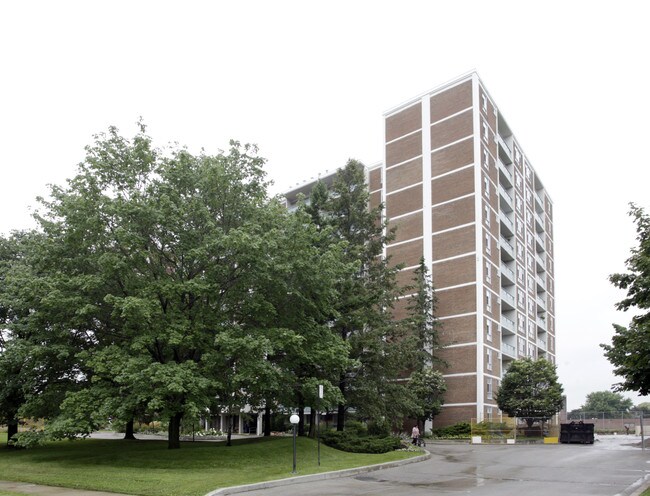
[(607, 402), (172, 283), (362, 316), (530, 390), (428, 387), (630, 348), (644, 407), (424, 326)]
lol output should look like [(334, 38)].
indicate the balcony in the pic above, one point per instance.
[(505, 176), (541, 344), (539, 222), (541, 304), (507, 300), (507, 226), (507, 275), (541, 323), (539, 243), (505, 200), (508, 350), (541, 283), (507, 325), (539, 203), (505, 153), (507, 250), (540, 262)]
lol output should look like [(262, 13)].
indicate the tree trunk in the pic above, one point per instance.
[(12, 429), (174, 431), (340, 415), (128, 430), (229, 437), (301, 414), (267, 421), (312, 423)]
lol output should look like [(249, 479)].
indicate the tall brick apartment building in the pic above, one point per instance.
[(463, 194)]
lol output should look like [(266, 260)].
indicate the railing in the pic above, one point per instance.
[(507, 324), (541, 343), (507, 297), (509, 350), (505, 194), (507, 222), (508, 272), (541, 323)]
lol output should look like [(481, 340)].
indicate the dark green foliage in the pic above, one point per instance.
[(354, 442), (630, 348), (530, 390), (461, 429), (608, 403), (166, 284)]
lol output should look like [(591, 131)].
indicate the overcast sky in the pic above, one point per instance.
[(309, 81)]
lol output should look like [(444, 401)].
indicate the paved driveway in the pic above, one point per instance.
[(606, 468)]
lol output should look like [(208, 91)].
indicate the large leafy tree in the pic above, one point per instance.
[(629, 351), (37, 363), (607, 402), (171, 279), (530, 390)]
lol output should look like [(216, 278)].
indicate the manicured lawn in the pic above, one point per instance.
[(149, 468)]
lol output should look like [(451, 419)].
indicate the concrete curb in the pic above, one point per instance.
[(637, 488), (315, 477)]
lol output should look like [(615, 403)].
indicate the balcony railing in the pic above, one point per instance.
[(541, 343), (508, 349), (508, 324), (541, 323), (508, 223), (507, 297)]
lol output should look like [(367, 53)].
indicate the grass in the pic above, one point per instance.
[(149, 468)]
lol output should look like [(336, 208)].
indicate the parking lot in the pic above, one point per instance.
[(611, 466)]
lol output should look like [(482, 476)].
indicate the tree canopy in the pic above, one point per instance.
[(629, 351), (167, 282), (606, 402), (530, 390)]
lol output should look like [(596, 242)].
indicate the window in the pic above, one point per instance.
[(486, 186), (488, 271), (529, 261), (519, 203), (522, 346), (517, 154), (518, 180), (488, 243), (484, 102), (521, 324), (488, 359), (488, 410), (488, 301), (486, 208), (489, 393), (488, 330), (485, 132), (520, 299), (486, 159), (531, 329), (520, 274)]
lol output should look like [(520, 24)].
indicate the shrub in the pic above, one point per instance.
[(459, 430), (354, 443)]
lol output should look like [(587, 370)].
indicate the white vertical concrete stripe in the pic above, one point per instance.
[(427, 242), (480, 289), (384, 216)]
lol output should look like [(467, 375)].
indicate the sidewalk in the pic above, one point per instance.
[(27, 488)]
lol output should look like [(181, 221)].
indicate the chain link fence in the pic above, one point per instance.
[(609, 422)]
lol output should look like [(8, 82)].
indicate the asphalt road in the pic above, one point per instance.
[(608, 467)]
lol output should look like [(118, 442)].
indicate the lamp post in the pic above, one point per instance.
[(294, 419)]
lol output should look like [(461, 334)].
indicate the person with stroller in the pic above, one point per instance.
[(415, 434)]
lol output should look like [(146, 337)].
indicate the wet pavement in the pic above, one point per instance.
[(611, 466)]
